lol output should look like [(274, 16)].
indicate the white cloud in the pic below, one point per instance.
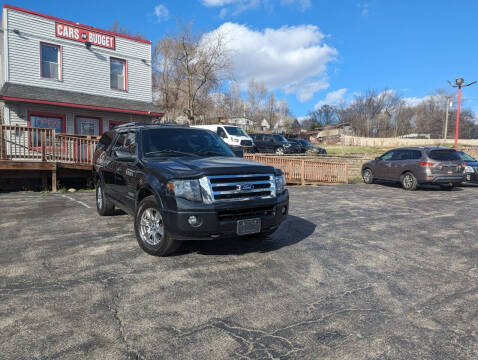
[(239, 6), (302, 4), (332, 98), (364, 9), (161, 12), (291, 58)]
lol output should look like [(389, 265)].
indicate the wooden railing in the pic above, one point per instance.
[(28, 143), (305, 171)]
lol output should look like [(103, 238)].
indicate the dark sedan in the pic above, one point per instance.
[(471, 169), (311, 148)]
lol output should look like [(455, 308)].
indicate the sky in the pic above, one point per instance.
[(314, 52)]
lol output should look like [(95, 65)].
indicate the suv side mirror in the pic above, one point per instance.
[(122, 155)]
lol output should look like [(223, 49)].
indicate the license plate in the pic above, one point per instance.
[(450, 172), (248, 226)]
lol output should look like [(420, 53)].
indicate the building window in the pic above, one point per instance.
[(50, 61), (86, 125), (118, 74), (45, 121)]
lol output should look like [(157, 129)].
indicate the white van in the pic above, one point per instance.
[(232, 135)]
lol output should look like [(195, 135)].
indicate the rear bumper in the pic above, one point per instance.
[(443, 179), (213, 225)]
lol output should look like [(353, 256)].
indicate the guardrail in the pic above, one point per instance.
[(305, 171), (37, 144)]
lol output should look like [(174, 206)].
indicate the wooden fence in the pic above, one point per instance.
[(305, 171), (21, 143)]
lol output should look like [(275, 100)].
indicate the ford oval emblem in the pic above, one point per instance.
[(247, 187)]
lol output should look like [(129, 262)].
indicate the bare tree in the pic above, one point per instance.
[(188, 67), (256, 96)]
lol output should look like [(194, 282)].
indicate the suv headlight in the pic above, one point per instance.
[(186, 189), (280, 184), (235, 140), (468, 169)]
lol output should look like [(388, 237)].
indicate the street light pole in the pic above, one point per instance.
[(460, 82)]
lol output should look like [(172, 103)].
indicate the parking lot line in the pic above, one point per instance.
[(77, 201)]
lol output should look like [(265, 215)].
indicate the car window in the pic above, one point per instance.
[(280, 138), (444, 155), (221, 132), (466, 157), (388, 156), (126, 142), (268, 138), (235, 131)]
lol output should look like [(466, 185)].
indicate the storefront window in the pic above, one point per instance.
[(87, 126), (118, 74), (44, 122), (50, 61)]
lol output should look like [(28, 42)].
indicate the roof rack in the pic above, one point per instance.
[(130, 124)]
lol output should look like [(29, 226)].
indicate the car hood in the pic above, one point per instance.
[(472, 163), (192, 167)]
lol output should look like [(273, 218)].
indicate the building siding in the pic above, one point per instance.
[(18, 115), (83, 70)]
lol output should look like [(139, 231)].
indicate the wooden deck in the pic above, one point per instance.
[(25, 149)]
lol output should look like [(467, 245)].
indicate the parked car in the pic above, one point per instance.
[(311, 148), (414, 166), (271, 143), (231, 135), (297, 147), (471, 169), (183, 183)]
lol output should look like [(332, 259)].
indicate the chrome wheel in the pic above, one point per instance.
[(280, 151), (99, 197), (367, 176), (407, 181), (151, 226)]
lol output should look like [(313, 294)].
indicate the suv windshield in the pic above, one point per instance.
[(466, 157), (235, 131), (444, 155), (280, 138), (183, 142)]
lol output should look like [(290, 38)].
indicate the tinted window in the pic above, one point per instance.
[(466, 157), (192, 141), (235, 131), (280, 138), (126, 142), (407, 155), (444, 155), (388, 156), (221, 132)]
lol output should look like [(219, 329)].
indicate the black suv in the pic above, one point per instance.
[(184, 183), (271, 143)]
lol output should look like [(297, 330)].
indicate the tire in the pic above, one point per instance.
[(279, 151), (154, 241), (409, 181), (367, 176), (104, 206)]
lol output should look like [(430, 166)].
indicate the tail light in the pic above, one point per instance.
[(424, 163)]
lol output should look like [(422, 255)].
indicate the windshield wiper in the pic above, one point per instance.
[(168, 151), (212, 153)]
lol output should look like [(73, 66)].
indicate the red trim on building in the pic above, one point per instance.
[(60, 61), (80, 106), (100, 124), (6, 6)]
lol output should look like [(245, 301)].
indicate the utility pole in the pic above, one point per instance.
[(448, 105), (460, 82)]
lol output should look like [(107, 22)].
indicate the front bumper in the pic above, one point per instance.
[(214, 225), (471, 177)]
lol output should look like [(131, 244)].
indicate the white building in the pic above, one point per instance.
[(56, 73)]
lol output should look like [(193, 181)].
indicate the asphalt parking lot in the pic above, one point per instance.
[(356, 272)]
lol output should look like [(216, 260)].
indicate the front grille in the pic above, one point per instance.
[(238, 187), (246, 143), (239, 214)]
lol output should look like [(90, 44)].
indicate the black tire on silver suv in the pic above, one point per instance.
[(367, 176), (150, 229), (104, 206), (409, 181)]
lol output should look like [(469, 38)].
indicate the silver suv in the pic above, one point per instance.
[(413, 166)]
